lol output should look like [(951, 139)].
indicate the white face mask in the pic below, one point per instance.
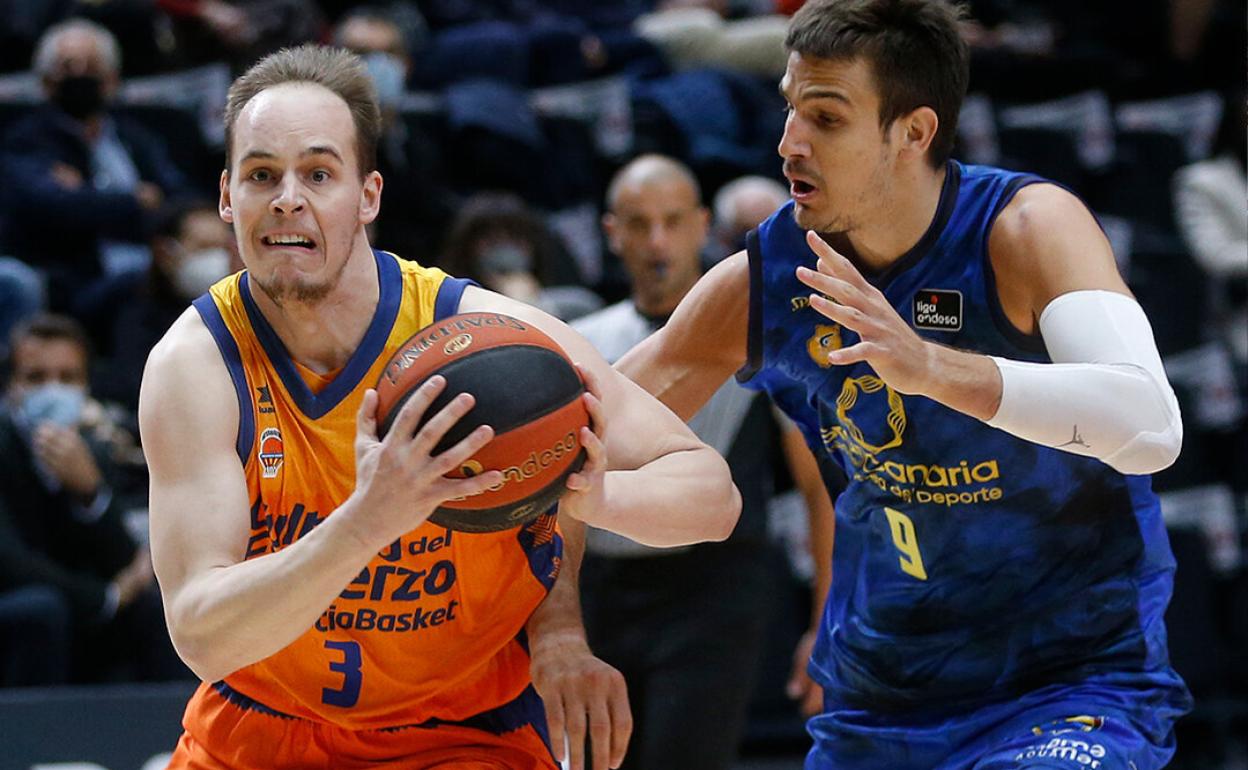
[(199, 270), (53, 402)]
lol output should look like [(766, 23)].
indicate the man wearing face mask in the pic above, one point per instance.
[(82, 183), (67, 565), (420, 207), (191, 250)]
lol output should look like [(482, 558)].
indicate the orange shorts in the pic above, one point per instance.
[(232, 733)]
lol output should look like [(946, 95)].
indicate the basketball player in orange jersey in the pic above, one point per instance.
[(330, 623)]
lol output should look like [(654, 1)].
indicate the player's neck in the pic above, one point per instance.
[(322, 335), (896, 227)]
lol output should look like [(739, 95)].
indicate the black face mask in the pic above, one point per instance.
[(80, 96)]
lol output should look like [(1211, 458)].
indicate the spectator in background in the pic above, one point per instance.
[(502, 244), (1210, 211), (686, 626), (64, 551), (240, 31), (191, 250), (21, 296), (697, 33), (419, 206), (740, 206), (82, 183)]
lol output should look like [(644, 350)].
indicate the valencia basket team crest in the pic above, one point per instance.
[(270, 452)]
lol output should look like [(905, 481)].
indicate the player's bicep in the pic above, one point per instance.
[(1046, 243), (188, 418)]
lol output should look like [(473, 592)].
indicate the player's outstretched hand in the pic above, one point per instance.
[(583, 697), (586, 492), (898, 355), (398, 481)]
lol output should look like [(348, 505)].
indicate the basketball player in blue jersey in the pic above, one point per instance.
[(958, 347)]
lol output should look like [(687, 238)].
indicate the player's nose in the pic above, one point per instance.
[(289, 198), (793, 142)]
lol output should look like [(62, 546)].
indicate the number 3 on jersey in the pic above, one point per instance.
[(345, 696), (907, 542)]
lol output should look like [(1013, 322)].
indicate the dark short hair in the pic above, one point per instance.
[(914, 47), (47, 327), (335, 69)]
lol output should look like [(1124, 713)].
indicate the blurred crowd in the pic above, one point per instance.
[(505, 123)]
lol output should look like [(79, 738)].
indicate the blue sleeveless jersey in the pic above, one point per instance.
[(970, 566)]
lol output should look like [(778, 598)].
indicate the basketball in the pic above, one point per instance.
[(526, 389)]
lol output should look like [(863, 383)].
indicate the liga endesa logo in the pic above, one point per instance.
[(536, 463)]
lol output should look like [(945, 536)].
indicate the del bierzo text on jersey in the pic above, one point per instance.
[(918, 483)]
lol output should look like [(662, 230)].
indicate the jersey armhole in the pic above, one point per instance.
[(754, 338), (449, 294), (228, 347)]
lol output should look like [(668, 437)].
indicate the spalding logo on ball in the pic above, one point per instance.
[(526, 389)]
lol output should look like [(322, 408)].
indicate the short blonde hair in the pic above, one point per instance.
[(335, 69)]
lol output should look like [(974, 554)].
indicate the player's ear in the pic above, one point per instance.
[(918, 131), (610, 226), (223, 205), (370, 197)]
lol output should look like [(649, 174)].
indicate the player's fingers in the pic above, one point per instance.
[(366, 417), (833, 260), (813, 702), (600, 733), (845, 315), (574, 725), (850, 355), (404, 425), (592, 383), (621, 721), (597, 413), (595, 463), (457, 456), (432, 431), (459, 489), (554, 723), (830, 286)]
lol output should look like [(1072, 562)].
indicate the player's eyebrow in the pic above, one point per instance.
[(321, 150), (314, 150), (816, 92)]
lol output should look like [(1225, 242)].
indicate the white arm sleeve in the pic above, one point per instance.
[(1105, 395)]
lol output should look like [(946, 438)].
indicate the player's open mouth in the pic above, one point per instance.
[(288, 240), (800, 190)]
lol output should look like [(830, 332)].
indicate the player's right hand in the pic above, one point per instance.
[(801, 687), (398, 481)]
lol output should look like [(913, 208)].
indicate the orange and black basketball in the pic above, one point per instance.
[(526, 389)]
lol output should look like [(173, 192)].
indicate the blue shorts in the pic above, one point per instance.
[(1057, 728)]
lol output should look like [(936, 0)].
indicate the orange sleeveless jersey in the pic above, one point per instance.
[(432, 629)]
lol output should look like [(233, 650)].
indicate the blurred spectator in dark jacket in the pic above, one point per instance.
[(61, 528), (532, 43), (82, 183), (191, 250), (502, 244), (419, 206)]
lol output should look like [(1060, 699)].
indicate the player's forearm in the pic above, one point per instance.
[(679, 498), (232, 616), (967, 382), (557, 621)]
